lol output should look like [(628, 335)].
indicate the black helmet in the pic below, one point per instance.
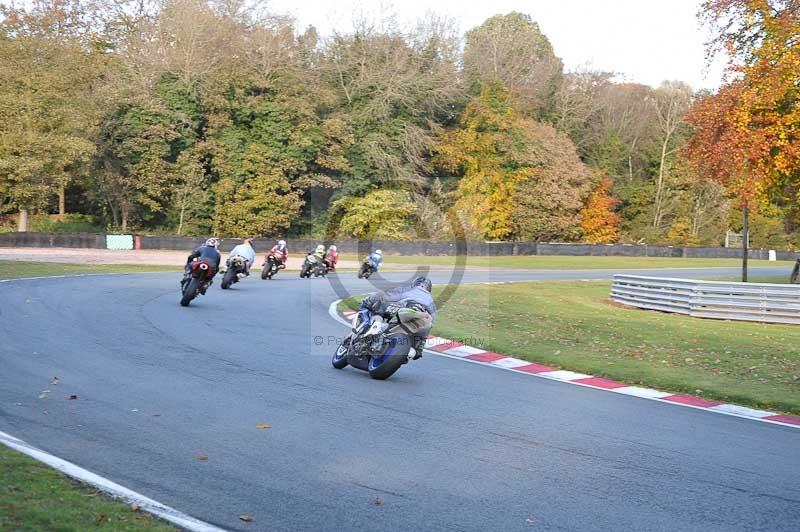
[(423, 282)]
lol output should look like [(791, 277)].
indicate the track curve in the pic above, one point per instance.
[(444, 445)]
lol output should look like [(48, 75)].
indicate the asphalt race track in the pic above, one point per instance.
[(443, 445)]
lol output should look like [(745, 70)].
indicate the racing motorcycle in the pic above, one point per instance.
[(379, 345), (237, 266), (366, 269), (272, 263), (195, 281), (313, 265)]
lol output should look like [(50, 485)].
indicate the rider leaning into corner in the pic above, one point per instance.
[(280, 250), (209, 252), (386, 303), (245, 250)]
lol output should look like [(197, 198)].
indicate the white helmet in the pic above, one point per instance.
[(378, 252), (213, 242), (332, 247), (281, 243), (320, 248)]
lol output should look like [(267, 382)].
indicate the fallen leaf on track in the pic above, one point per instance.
[(377, 501), (72, 397), (263, 426), (203, 457), (45, 412), (54, 381), (44, 394), (246, 518)]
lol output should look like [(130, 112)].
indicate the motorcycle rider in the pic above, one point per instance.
[(280, 250), (375, 259), (319, 252), (331, 258), (245, 250), (210, 253), (386, 303)]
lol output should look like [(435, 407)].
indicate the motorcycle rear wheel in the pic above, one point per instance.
[(191, 291), (265, 269), (383, 367)]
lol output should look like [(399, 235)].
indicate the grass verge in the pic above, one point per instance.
[(573, 263), (12, 269), (573, 325), (35, 497)]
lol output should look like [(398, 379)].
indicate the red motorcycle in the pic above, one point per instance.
[(195, 281), (272, 263)]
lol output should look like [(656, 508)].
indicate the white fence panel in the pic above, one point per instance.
[(119, 241), (763, 302)]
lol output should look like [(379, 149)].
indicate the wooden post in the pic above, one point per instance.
[(745, 239), (22, 226)]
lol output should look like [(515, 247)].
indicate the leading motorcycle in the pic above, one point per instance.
[(236, 270), (195, 281), (380, 345)]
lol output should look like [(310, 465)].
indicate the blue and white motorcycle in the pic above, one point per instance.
[(380, 344)]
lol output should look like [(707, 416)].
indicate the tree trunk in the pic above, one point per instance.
[(180, 220), (660, 184), (62, 202), (124, 225), (23, 220), (745, 239)]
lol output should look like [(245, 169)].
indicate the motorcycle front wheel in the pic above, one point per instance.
[(265, 269), (339, 360), (227, 281)]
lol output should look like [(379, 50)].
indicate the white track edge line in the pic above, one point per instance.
[(332, 310), (147, 504)]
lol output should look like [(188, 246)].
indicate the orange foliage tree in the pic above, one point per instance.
[(599, 221), (747, 136)]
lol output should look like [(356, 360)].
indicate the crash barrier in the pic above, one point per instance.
[(762, 302), (396, 247), (119, 241)]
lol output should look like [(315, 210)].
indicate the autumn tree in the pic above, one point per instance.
[(521, 179), (746, 135), (46, 112), (512, 49), (599, 221)]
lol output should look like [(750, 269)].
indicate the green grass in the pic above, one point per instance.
[(572, 263), (12, 269), (35, 497), (573, 325)]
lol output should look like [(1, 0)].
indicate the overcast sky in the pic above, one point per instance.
[(646, 41)]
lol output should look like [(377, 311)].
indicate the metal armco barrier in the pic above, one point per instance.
[(762, 302)]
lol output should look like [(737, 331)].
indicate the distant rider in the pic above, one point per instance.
[(280, 250), (419, 291), (331, 258), (245, 250), (375, 259), (209, 252)]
